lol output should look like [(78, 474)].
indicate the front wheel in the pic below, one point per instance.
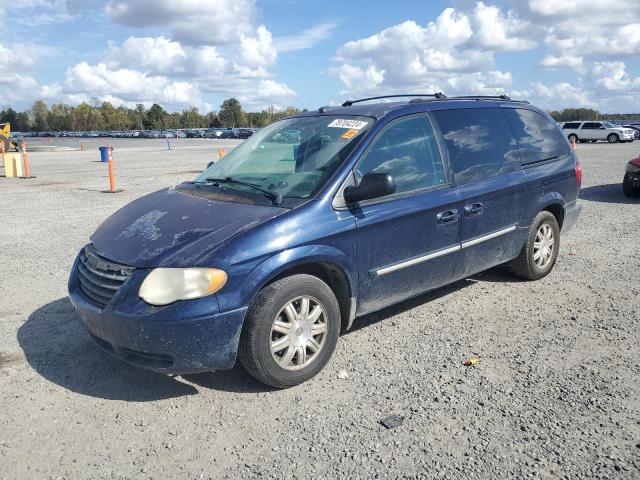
[(613, 138), (540, 250), (291, 331), (628, 189)]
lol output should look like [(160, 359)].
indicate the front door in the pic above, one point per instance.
[(408, 242)]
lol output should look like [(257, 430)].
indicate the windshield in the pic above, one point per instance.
[(610, 125), (292, 158)]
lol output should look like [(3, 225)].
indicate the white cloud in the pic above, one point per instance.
[(306, 39), (192, 22), (158, 55), (561, 95), (129, 85), (258, 51), (498, 31), (613, 77), (442, 55), (552, 61)]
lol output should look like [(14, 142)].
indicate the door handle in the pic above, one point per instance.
[(473, 209), (448, 216)]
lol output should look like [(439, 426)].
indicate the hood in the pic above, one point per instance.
[(635, 162), (169, 228)]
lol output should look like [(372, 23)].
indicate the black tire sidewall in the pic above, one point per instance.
[(628, 189), (274, 298), (613, 138)]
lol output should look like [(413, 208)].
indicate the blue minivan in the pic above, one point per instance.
[(319, 218)]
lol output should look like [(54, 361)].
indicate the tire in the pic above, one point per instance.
[(628, 189), (613, 138), (572, 138), (583, 141), (271, 324), (526, 265)]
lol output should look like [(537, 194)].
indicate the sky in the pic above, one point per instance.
[(309, 53)]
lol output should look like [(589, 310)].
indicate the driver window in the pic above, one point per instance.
[(407, 149)]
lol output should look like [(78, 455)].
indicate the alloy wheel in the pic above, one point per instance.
[(298, 333), (543, 246)]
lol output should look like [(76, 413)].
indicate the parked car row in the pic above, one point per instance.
[(218, 133), (241, 133)]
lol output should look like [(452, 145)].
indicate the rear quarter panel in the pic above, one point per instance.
[(550, 183)]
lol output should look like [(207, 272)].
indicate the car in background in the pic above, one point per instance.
[(242, 133), (593, 131), (636, 130), (631, 180)]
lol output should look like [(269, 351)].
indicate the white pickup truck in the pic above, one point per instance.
[(594, 131)]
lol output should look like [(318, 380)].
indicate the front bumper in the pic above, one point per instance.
[(185, 337), (571, 214)]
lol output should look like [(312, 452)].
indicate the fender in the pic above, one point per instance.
[(547, 199), (273, 266)]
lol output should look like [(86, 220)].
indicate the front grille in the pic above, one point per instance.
[(100, 278)]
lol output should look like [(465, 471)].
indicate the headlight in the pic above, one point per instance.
[(632, 168), (167, 285)]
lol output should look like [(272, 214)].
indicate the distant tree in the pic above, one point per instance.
[(22, 123), (61, 117), (231, 114), (155, 117), (40, 113), (81, 116)]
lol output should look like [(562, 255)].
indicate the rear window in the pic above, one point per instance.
[(480, 143), (538, 137), (591, 125), (571, 125)]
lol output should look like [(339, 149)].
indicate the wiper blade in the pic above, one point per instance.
[(276, 198)]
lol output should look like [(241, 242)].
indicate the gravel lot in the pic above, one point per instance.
[(555, 395)]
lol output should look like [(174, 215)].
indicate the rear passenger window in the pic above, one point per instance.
[(538, 137), (480, 143), (591, 126), (407, 149)]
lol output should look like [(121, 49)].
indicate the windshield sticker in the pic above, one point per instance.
[(351, 124), (350, 133)]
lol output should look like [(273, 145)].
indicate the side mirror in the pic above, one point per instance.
[(210, 163), (372, 185)]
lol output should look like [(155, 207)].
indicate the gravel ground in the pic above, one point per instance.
[(555, 394)]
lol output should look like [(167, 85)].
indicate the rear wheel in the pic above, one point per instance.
[(613, 138), (572, 138), (540, 250), (290, 332)]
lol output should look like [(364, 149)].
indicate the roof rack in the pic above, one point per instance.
[(438, 95), (487, 97), (483, 97)]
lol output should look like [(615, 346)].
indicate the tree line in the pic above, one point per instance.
[(104, 116), (571, 114)]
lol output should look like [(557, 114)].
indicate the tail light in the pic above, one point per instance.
[(579, 173)]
